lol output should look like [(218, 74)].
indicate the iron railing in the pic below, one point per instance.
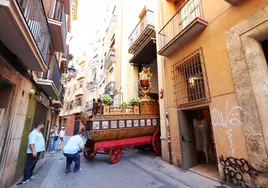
[(35, 17), (109, 57), (56, 9), (148, 19), (110, 87), (92, 84), (89, 105), (190, 82), (112, 21), (56, 74), (184, 16)]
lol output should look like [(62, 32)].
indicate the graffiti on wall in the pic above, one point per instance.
[(231, 118), (234, 170)]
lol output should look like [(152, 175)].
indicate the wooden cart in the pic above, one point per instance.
[(122, 127)]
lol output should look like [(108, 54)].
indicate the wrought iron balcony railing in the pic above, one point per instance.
[(147, 20), (56, 10), (92, 84), (89, 106), (110, 87), (35, 17), (110, 57), (56, 74), (178, 24)]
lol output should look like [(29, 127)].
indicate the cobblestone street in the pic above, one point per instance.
[(134, 170)]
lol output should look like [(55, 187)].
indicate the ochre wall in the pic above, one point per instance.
[(70, 125), (221, 16)]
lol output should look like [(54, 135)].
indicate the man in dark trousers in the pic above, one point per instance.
[(71, 151), (36, 144)]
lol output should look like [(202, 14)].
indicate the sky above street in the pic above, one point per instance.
[(90, 18)]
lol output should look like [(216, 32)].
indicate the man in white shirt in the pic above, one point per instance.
[(36, 144), (61, 136), (53, 139), (71, 151)]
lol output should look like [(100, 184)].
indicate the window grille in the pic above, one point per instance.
[(190, 83)]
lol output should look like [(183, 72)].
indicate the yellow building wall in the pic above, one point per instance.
[(220, 16)]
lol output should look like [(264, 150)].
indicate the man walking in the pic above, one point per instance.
[(36, 144), (53, 139), (71, 152), (62, 136)]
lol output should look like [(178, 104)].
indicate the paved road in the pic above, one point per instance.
[(134, 170)]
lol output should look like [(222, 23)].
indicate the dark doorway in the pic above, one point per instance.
[(265, 49), (76, 125), (40, 116), (197, 142)]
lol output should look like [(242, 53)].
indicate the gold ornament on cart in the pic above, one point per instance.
[(145, 83)]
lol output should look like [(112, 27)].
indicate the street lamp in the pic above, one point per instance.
[(71, 71)]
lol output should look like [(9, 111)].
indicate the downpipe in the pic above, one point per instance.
[(165, 88)]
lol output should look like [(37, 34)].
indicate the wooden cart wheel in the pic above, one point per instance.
[(115, 155), (89, 155), (156, 142)]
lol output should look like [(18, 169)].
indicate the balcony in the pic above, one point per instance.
[(92, 84), (234, 2), (110, 87), (51, 83), (182, 27), (24, 31), (57, 25), (89, 106), (80, 75), (142, 40), (79, 92), (56, 103), (76, 110), (111, 27), (109, 60)]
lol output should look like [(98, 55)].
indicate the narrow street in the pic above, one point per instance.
[(136, 169)]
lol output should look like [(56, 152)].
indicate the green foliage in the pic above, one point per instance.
[(124, 104), (106, 99), (71, 57), (134, 101)]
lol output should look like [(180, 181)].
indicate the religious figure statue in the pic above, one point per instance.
[(145, 83)]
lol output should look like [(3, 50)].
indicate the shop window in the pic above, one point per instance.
[(190, 82)]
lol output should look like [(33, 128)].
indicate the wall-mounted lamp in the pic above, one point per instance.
[(31, 92)]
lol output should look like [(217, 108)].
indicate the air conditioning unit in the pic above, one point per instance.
[(234, 2)]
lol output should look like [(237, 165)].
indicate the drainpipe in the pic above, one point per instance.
[(163, 60)]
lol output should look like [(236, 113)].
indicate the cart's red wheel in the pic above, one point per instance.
[(156, 142), (106, 151), (115, 155), (89, 155)]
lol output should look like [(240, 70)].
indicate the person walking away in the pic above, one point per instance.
[(62, 137), (72, 151), (36, 144), (53, 139)]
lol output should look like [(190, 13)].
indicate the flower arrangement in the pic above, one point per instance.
[(134, 101), (122, 104), (106, 99)]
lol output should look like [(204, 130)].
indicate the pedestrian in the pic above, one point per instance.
[(53, 139), (36, 144), (62, 137), (72, 151)]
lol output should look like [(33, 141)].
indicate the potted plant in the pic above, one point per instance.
[(122, 104), (106, 99), (134, 101)]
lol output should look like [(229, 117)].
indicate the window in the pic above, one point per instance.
[(79, 101), (81, 84), (94, 74), (111, 70), (190, 82), (114, 9)]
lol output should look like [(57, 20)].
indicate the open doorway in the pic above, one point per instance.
[(197, 142)]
